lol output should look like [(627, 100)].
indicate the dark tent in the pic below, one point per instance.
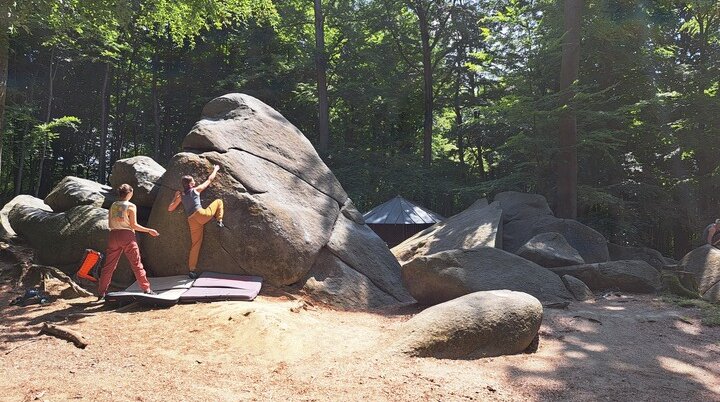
[(398, 219)]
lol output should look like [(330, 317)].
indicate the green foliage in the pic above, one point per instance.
[(709, 312), (647, 97), (50, 130)]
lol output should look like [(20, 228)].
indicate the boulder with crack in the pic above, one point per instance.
[(73, 191), (447, 275), (284, 209), (478, 226), (6, 230), (550, 250), (143, 174), (704, 262), (627, 276), (527, 215), (652, 257)]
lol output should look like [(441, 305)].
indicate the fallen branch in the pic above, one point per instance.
[(64, 333), (49, 271), (21, 345)]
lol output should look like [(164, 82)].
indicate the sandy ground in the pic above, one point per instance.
[(275, 348)]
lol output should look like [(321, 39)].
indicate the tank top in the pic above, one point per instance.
[(706, 232), (118, 215), (191, 201)]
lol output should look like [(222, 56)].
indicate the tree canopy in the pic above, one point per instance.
[(441, 101)]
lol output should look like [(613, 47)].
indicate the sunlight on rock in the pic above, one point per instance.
[(614, 308)]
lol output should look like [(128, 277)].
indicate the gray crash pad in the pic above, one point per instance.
[(168, 289), (217, 294), (211, 286), (164, 283), (165, 298)]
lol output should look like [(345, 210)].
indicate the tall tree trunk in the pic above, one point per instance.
[(102, 157), (123, 93), (566, 206), (156, 113), (21, 166), (21, 159), (51, 79), (427, 85), (321, 67), (135, 136), (4, 54), (459, 119)]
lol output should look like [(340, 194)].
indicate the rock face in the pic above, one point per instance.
[(713, 293), (354, 243), (143, 174), (241, 122), (477, 226), (481, 324), (518, 206), (652, 257), (447, 275), (73, 191), (336, 283), (627, 276), (577, 288), (60, 239), (704, 262), (6, 231), (283, 208), (550, 250), (527, 215)]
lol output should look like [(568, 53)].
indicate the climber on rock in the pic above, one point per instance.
[(197, 216)]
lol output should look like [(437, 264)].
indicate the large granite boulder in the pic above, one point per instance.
[(480, 324), (550, 250), (652, 257), (704, 262), (477, 226), (73, 191), (527, 215), (60, 239), (713, 293), (276, 224), (283, 206), (143, 174), (334, 282), (627, 276), (354, 243), (522, 206), (243, 123), (6, 231), (447, 275)]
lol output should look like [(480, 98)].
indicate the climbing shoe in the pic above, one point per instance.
[(220, 224), (150, 292), (193, 275)]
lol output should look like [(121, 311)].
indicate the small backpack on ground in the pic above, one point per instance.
[(90, 266)]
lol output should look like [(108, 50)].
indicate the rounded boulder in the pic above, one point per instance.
[(481, 324)]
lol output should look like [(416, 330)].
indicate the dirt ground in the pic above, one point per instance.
[(277, 348)]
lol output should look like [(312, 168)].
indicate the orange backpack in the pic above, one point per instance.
[(90, 261)]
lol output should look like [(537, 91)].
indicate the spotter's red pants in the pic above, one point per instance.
[(119, 242)]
